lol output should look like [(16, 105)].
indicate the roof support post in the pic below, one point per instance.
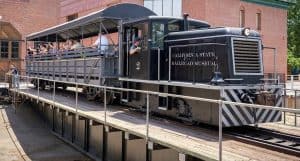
[(26, 47), (106, 32), (56, 41), (81, 28), (120, 39), (100, 35)]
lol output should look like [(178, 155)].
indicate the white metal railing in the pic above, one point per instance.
[(292, 79), (220, 102)]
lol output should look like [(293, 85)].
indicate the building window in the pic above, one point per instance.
[(258, 20), (242, 17), (4, 49), (72, 17), (15, 49), (165, 7)]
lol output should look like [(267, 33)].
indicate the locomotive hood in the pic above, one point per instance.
[(222, 31)]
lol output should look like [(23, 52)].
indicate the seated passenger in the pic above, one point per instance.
[(76, 45), (135, 48), (31, 51), (101, 43), (52, 47), (67, 45), (43, 49)]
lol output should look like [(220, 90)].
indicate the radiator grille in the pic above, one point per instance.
[(246, 56)]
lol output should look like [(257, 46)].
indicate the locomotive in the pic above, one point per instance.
[(180, 56)]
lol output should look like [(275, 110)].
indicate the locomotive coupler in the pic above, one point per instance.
[(265, 98), (261, 97)]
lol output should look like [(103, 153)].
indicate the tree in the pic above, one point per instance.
[(294, 29), (294, 37)]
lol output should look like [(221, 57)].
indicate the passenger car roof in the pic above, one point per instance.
[(89, 24)]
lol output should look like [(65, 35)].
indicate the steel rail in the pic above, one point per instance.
[(272, 140)]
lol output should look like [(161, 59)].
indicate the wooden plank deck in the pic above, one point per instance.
[(196, 141)]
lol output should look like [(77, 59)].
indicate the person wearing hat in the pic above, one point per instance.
[(135, 48)]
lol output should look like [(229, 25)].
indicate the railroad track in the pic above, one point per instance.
[(273, 140)]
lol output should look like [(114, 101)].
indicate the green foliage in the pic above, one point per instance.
[(294, 36), (293, 62), (294, 30)]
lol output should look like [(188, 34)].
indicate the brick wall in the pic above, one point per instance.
[(27, 16), (217, 13), (274, 26), (84, 7), (33, 15)]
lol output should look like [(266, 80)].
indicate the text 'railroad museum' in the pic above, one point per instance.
[(267, 17)]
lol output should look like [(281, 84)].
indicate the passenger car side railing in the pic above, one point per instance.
[(75, 53)]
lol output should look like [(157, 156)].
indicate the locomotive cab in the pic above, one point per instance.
[(151, 32), (176, 49)]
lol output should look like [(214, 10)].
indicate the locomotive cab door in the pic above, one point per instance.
[(159, 56), (157, 59), (136, 51), (136, 63), (157, 49)]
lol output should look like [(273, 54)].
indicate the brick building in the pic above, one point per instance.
[(19, 18), (268, 17)]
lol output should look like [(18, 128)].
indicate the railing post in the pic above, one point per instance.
[(158, 64), (220, 125), (38, 88), (105, 105), (147, 118), (275, 70), (170, 65), (76, 98), (53, 95), (14, 87), (292, 81), (284, 105), (295, 107), (27, 85)]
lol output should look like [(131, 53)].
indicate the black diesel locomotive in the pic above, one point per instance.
[(177, 55)]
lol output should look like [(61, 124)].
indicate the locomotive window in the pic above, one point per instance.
[(192, 27), (137, 31), (158, 30), (173, 27)]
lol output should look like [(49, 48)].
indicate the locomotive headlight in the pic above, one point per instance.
[(246, 31)]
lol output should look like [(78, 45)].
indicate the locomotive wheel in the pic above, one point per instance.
[(189, 122), (89, 93), (64, 87), (90, 96), (109, 97), (34, 82), (42, 85)]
